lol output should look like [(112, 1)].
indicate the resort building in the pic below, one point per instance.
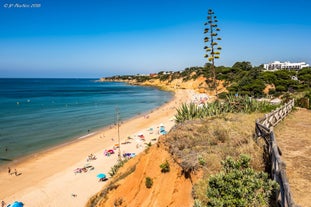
[(277, 65)]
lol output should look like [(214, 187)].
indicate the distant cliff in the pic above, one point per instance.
[(170, 81)]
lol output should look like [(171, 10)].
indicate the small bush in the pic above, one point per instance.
[(165, 167), (222, 95), (239, 185), (118, 202), (221, 135), (149, 144), (272, 91), (305, 101), (198, 203), (202, 161), (148, 182)]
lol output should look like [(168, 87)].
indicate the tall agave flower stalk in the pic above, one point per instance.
[(211, 39)]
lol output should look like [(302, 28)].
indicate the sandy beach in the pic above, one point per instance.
[(48, 178)]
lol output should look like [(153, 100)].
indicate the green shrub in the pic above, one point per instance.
[(202, 161), (305, 101), (165, 167), (198, 203), (239, 185), (164, 77), (308, 96), (222, 95), (272, 91), (148, 182), (280, 88)]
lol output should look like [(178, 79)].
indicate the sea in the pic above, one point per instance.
[(37, 114)]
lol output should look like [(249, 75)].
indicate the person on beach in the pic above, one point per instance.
[(9, 170), (3, 204), (15, 172)]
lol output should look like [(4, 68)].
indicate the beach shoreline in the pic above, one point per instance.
[(25, 158), (47, 177)]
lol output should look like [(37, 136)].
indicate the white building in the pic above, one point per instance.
[(277, 65)]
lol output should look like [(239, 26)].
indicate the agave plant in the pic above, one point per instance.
[(232, 104)]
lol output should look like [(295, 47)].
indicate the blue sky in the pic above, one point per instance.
[(95, 38)]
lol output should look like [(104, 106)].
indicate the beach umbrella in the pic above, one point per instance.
[(101, 175), (161, 125), (16, 204), (110, 151)]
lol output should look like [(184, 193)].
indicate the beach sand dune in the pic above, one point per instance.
[(48, 178)]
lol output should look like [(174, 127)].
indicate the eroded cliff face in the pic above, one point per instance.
[(170, 189), (199, 84)]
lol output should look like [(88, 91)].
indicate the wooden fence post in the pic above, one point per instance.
[(264, 127)]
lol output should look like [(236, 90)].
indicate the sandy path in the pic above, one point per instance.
[(48, 179), (294, 139)]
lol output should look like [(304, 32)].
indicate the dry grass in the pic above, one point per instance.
[(201, 145), (294, 139)]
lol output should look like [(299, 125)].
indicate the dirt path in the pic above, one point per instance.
[(294, 139)]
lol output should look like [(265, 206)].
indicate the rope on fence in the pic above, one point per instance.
[(264, 129)]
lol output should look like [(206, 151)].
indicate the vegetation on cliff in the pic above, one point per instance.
[(201, 145), (239, 185), (231, 104), (242, 78), (192, 151)]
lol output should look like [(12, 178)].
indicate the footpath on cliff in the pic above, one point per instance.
[(293, 136)]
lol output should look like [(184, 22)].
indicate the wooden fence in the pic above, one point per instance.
[(264, 129)]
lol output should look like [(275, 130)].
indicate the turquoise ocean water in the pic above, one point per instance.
[(36, 114)]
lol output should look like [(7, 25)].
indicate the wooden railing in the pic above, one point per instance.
[(264, 129), (274, 117)]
